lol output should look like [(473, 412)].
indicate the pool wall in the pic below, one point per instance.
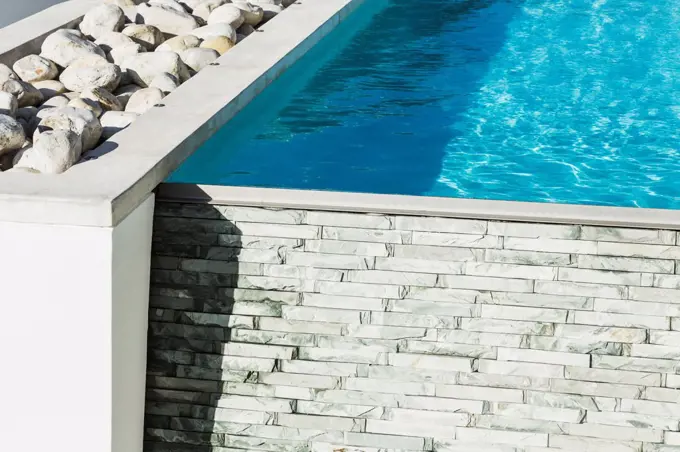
[(366, 327)]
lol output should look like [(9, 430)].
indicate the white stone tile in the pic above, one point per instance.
[(332, 261), (615, 432), (450, 363), (438, 348), (506, 326), (479, 338), (319, 368), (435, 224), (524, 313), (359, 356), (635, 364), (613, 376), (526, 257), (281, 231), (589, 388), (484, 283), (534, 230), (391, 277), (630, 264), (504, 381), (637, 307), (580, 289), (344, 247), (394, 387), (633, 420), (343, 302), (431, 429), (546, 413), (352, 220), (437, 253), (602, 333), (414, 320), (501, 437), (550, 245), (540, 300), (638, 250), (542, 356), (519, 368), (366, 235), (302, 380), (480, 393), (599, 276), (622, 320), (584, 444), (510, 271), (429, 307), (384, 441), (419, 265)]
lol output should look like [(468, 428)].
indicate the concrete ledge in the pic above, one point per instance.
[(26, 36), (103, 191), (423, 206)]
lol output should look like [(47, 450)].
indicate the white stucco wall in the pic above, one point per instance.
[(73, 334), (13, 10)]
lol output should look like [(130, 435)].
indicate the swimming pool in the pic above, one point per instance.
[(567, 101)]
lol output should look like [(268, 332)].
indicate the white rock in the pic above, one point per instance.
[(172, 4), (190, 5), (87, 104), (221, 44), (83, 123), (55, 102), (124, 93), (12, 135), (204, 9), (165, 82), (119, 54), (210, 31), (102, 19), (8, 104), (167, 20), (91, 71), (65, 46), (115, 121), (179, 43), (112, 39), (252, 14), (147, 35), (26, 94), (6, 73), (226, 14), (108, 101), (144, 67), (197, 59), (34, 68), (50, 88), (143, 100), (53, 152)]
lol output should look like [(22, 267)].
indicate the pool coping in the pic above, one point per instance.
[(531, 212), (101, 192)]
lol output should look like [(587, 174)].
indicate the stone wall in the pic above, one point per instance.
[(294, 330)]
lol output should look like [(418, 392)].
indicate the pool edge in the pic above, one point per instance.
[(531, 212)]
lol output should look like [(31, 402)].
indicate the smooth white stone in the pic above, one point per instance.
[(143, 100), (165, 82), (53, 152), (34, 68), (91, 71), (204, 9), (227, 14), (114, 121), (119, 54), (102, 19), (197, 59), (179, 43), (82, 122), (112, 40), (210, 31), (144, 67), (167, 20), (65, 46), (147, 35)]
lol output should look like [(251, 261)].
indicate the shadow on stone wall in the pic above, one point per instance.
[(190, 325)]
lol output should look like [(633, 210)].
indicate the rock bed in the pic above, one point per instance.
[(88, 84)]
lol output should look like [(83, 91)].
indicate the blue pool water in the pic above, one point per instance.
[(570, 101)]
